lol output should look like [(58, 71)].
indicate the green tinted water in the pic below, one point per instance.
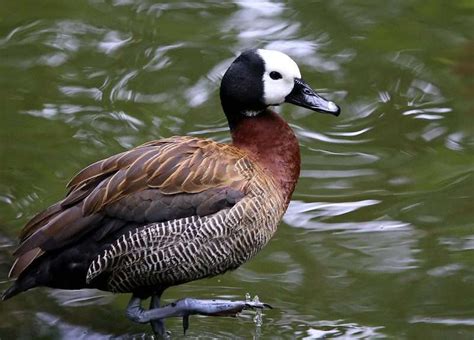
[(379, 237)]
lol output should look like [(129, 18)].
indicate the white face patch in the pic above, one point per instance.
[(278, 78)]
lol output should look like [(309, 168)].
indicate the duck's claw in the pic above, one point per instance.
[(257, 305), (185, 323)]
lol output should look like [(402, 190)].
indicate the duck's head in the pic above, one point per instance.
[(261, 78)]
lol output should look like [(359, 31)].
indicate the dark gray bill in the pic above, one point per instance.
[(305, 96)]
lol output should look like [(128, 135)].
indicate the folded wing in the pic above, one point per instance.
[(158, 181)]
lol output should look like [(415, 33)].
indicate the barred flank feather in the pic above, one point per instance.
[(194, 247)]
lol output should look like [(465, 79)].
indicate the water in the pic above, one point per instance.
[(378, 240)]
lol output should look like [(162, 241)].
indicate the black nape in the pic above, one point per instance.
[(242, 87)]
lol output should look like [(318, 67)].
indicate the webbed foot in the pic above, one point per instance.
[(186, 307)]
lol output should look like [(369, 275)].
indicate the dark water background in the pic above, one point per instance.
[(378, 241)]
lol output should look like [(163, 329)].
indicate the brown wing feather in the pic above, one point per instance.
[(177, 165), (43, 217), (173, 166)]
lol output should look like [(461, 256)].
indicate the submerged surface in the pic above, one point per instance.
[(379, 237)]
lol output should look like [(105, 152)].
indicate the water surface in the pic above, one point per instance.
[(378, 241)]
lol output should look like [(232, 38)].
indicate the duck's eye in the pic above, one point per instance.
[(275, 75)]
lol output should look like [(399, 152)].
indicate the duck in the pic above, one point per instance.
[(177, 209)]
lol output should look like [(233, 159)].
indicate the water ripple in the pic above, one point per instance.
[(443, 321), (113, 41), (323, 138), (158, 58), (337, 173), (458, 244), (303, 215), (382, 216), (340, 330), (80, 91), (299, 212)]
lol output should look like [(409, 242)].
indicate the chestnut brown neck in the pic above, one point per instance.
[(273, 144)]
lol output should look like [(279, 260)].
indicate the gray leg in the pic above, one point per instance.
[(136, 313), (134, 310), (157, 325), (189, 306)]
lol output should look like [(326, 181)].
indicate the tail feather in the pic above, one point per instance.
[(10, 292), (18, 286), (24, 261)]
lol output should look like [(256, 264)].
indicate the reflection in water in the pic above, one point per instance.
[(83, 297), (316, 210), (199, 93), (301, 215), (112, 42), (459, 244), (55, 327), (337, 173), (323, 138), (443, 321), (378, 240), (444, 271), (338, 329)]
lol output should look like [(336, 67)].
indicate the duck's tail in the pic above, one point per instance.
[(10, 292), (20, 285)]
